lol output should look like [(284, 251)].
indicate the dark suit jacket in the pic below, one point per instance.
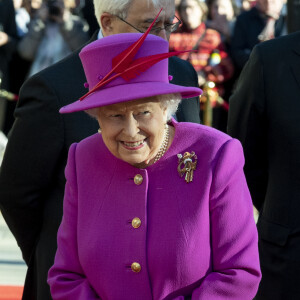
[(32, 173), (264, 115)]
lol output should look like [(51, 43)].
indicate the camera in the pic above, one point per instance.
[(53, 8)]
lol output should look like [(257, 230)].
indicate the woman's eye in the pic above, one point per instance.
[(146, 112), (115, 116)]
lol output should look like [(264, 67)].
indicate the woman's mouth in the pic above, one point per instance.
[(133, 145)]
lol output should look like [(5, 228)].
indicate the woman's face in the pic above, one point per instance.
[(222, 8), (191, 13), (133, 131)]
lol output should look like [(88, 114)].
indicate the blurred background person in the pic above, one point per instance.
[(221, 17), (8, 36), (244, 5), (22, 17), (262, 22), (18, 67), (210, 59), (53, 33), (85, 9), (32, 6)]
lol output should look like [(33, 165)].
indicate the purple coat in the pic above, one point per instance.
[(196, 239)]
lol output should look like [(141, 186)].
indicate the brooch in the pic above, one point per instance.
[(186, 165)]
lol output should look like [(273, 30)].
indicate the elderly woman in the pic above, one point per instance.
[(153, 209)]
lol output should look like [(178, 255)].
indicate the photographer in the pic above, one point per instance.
[(53, 33)]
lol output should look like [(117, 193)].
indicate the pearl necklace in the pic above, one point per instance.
[(164, 145)]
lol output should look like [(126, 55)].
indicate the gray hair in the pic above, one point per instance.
[(119, 7), (168, 101)]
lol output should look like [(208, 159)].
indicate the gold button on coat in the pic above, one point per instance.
[(138, 179), (136, 222), (135, 267)]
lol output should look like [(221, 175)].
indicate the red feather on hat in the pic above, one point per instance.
[(144, 63), (127, 68)]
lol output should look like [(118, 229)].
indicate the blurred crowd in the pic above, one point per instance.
[(223, 33), (33, 35), (37, 33)]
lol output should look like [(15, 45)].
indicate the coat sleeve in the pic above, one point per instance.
[(66, 277), (247, 121), (235, 262), (33, 150)]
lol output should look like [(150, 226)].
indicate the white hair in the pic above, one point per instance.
[(168, 101), (119, 7)]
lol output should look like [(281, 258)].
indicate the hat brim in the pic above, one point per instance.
[(128, 92)]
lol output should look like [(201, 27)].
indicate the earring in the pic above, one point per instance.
[(99, 130)]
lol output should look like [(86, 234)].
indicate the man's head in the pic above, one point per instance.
[(270, 8), (119, 16)]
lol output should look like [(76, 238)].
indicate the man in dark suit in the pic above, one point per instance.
[(32, 173), (264, 115)]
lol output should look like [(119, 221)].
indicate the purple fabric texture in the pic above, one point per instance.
[(196, 239), (152, 82)]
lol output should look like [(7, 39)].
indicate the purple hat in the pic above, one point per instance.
[(106, 87)]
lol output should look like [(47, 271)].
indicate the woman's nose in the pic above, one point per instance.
[(131, 127)]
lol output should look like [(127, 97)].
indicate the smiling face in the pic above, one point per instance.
[(133, 131)]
